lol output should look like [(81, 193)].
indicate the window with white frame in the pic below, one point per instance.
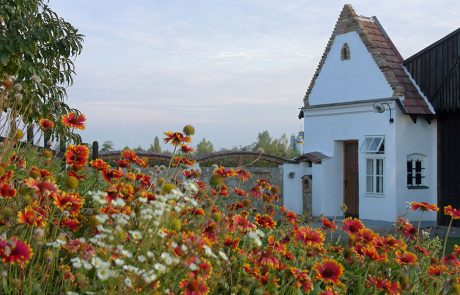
[(374, 176), (374, 148), (416, 171), (373, 145)]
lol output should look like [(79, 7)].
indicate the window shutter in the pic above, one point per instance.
[(409, 173)]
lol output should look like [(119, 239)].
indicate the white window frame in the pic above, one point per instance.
[(375, 176), (373, 147), (413, 158), (373, 144)]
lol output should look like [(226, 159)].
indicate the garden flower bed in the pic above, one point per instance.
[(106, 228)]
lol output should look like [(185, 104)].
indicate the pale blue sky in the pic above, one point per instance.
[(230, 68)]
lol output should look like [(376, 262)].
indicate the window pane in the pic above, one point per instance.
[(409, 172), (375, 144), (366, 144), (379, 163), (370, 167), (418, 178), (418, 166), (379, 184), (370, 184)]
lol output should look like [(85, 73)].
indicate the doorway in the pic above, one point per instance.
[(350, 178)]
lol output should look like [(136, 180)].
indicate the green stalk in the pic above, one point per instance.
[(445, 238)]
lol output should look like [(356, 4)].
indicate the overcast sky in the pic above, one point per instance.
[(230, 68)]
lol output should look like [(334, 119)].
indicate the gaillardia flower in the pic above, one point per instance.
[(423, 206), (15, 251), (328, 271), (77, 155), (72, 120), (452, 212), (265, 221), (45, 124), (309, 236), (352, 226), (176, 138), (406, 258), (70, 202)]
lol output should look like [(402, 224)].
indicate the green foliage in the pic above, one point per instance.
[(204, 147), (107, 146), (155, 147), (138, 149), (36, 42), (274, 146)]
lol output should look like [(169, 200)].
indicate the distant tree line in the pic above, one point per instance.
[(264, 143)]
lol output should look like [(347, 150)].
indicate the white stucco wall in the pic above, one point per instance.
[(325, 129), (292, 187), (421, 138), (358, 78)]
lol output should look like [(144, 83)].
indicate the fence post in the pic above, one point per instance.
[(30, 134), (62, 148), (95, 153), (46, 138)]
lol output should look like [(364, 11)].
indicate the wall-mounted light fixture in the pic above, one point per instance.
[(379, 107)]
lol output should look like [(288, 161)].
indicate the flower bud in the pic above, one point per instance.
[(189, 130)]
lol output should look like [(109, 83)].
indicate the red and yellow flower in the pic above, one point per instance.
[(265, 221), (309, 236), (302, 279), (112, 174), (329, 271), (437, 270), (384, 285), (41, 188), (45, 124), (15, 251), (423, 206), (77, 155), (405, 258), (452, 212), (70, 202), (32, 215), (176, 138), (352, 225), (6, 191), (328, 291), (99, 164), (328, 224), (242, 223), (73, 120), (194, 286)]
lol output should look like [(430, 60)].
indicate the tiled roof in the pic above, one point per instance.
[(313, 157), (386, 56)]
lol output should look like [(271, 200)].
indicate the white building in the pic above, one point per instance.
[(373, 129)]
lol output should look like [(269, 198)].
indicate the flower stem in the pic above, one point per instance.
[(445, 239)]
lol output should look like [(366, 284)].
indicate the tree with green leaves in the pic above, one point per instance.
[(37, 49), (204, 147), (107, 146), (155, 147), (274, 146), (138, 149)]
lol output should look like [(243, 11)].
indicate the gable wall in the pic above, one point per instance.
[(358, 78)]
